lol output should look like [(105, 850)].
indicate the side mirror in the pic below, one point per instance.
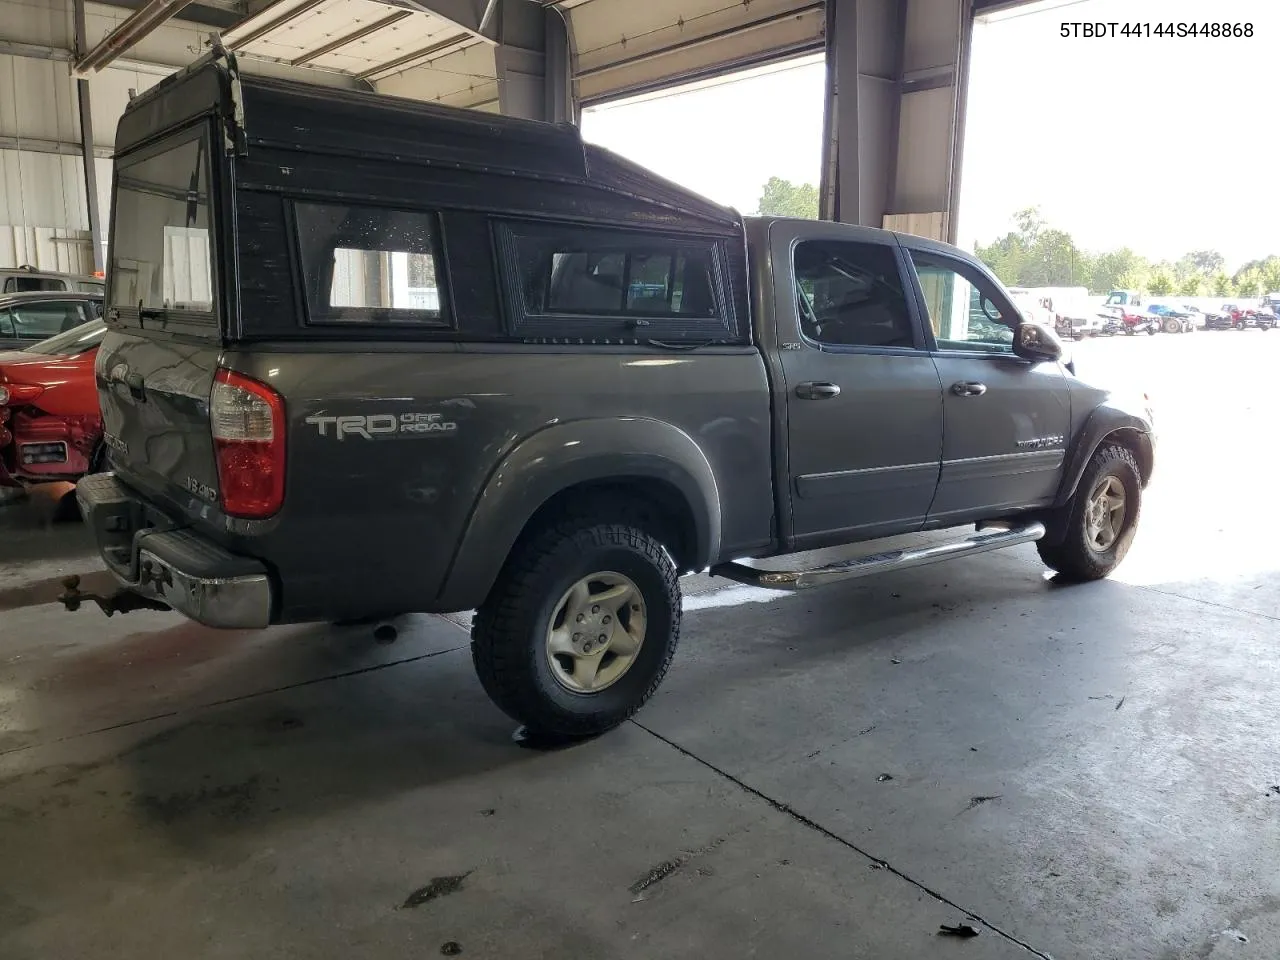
[(1035, 341)]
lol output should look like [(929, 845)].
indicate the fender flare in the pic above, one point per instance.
[(563, 455), (1106, 419)]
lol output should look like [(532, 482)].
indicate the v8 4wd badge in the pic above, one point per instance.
[(382, 424)]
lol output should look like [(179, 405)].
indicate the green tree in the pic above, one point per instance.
[(1036, 255), (1029, 223), (782, 198), (1270, 275), (1248, 283), (1202, 262), (1121, 269), (1192, 286), (1160, 283), (1220, 284)]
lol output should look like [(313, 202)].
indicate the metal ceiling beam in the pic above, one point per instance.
[(350, 38), (145, 20), (62, 147), (476, 17), (981, 7), (206, 13)]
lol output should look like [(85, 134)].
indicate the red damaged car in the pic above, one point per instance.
[(50, 423)]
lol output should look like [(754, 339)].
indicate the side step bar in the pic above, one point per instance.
[(879, 562)]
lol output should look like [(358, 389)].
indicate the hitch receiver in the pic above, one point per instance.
[(122, 601)]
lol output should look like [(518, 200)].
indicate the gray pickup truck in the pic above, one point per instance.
[(369, 356)]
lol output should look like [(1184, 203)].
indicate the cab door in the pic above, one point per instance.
[(863, 405), (1006, 420)]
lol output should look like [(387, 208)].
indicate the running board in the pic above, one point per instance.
[(879, 562)]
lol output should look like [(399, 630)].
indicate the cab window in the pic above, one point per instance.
[(851, 295), (966, 310), (36, 321)]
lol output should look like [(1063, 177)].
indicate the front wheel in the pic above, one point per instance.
[(1089, 537), (580, 628), (1172, 326), (1151, 331)]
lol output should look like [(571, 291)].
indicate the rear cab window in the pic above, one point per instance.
[(162, 249), (34, 285)]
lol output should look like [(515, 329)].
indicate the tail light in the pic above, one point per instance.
[(247, 419), (11, 393)]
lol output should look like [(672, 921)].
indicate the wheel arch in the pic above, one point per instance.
[(1108, 424), (649, 467)]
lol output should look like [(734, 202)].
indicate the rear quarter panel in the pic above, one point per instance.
[(391, 445)]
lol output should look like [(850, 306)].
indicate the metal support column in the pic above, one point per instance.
[(86, 146), (532, 59), (894, 123)]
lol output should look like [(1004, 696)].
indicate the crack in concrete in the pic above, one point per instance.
[(236, 699), (811, 824)]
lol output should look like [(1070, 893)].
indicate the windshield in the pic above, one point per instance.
[(72, 342), (160, 245)]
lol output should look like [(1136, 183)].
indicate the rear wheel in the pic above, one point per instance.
[(1172, 326), (1091, 535), (580, 628)]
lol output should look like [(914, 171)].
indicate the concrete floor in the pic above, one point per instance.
[(1081, 772)]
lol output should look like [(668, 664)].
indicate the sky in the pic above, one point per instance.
[(1162, 145)]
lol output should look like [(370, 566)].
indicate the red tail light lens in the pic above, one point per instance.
[(247, 419), (11, 393)]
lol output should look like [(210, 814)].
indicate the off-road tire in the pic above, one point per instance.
[(1172, 326), (1065, 547), (508, 633)]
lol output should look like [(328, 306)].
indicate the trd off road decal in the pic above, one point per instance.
[(383, 424)]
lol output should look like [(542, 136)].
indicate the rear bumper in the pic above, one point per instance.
[(151, 555)]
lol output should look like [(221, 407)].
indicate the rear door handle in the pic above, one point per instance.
[(817, 390), (968, 388)]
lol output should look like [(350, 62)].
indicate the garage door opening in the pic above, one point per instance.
[(737, 139)]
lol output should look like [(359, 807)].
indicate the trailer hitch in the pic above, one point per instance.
[(122, 601)]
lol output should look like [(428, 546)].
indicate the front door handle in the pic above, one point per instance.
[(967, 388), (817, 390)]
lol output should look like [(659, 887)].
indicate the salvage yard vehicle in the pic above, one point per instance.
[(1171, 319), (28, 318), (1240, 316), (1130, 320), (50, 423), (27, 279), (369, 356)]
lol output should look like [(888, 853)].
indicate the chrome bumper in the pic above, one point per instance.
[(176, 566)]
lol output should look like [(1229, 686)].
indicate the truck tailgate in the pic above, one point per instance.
[(155, 413)]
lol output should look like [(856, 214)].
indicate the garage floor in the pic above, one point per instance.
[(1076, 772)]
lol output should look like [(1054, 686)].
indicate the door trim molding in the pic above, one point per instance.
[(1002, 465), (812, 486)]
